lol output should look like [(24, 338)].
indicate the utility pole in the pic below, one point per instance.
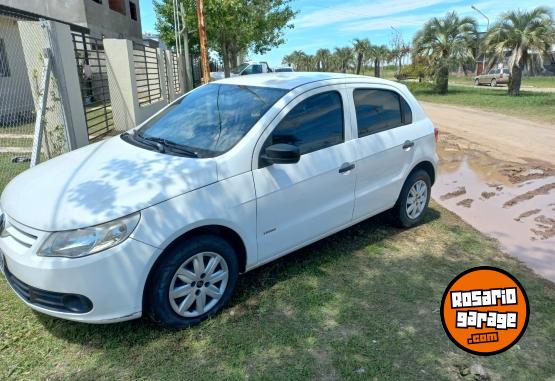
[(202, 37), (487, 29)]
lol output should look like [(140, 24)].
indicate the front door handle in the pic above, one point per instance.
[(346, 167), (408, 144)]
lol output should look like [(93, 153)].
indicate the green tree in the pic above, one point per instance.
[(445, 41), (323, 60), (378, 53), (344, 57), (233, 26), (361, 48), (527, 35)]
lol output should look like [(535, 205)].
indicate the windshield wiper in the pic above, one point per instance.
[(168, 144)]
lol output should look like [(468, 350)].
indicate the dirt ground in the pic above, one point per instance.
[(498, 174), (500, 136)]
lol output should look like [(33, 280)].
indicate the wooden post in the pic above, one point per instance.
[(202, 37)]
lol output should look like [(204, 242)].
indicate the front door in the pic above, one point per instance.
[(301, 202)]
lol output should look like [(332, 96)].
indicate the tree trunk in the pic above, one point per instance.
[(359, 62), (225, 58), (233, 57), (515, 81), (441, 80), (377, 68)]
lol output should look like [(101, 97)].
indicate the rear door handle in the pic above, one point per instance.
[(408, 144), (346, 167)]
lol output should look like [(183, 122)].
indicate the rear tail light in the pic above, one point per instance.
[(436, 134)]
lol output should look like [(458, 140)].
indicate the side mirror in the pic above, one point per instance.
[(282, 154)]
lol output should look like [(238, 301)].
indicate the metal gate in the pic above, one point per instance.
[(93, 77)]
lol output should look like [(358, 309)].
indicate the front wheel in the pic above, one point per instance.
[(476, 82), (193, 281), (414, 199), (493, 83)]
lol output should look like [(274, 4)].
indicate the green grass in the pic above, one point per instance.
[(362, 304), (531, 105), (9, 170)]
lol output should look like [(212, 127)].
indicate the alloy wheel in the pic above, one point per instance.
[(198, 284), (416, 199)]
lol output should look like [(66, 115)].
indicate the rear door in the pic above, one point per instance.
[(301, 202), (384, 148)]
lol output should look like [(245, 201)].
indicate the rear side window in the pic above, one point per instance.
[(313, 124), (379, 110)]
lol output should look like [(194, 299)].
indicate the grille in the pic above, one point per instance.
[(19, 235)]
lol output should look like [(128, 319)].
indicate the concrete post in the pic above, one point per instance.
[(164, 75), (169, 65), (38, 35), (65, 70), (121, 82)]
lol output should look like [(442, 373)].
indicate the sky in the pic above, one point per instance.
[(335, 23)]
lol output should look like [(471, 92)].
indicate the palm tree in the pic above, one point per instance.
[(323, 60), (527, 35), (378, 54), (344, 58), (360, 48), (445, 41)]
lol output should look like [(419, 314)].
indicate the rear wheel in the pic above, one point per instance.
[(414, 199), (493, 82), (193, 281)]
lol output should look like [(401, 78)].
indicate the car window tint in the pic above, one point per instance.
[(377, 110), (257, 69), (212, 118), (313, 124), (406, 111)]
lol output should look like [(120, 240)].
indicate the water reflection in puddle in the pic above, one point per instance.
[(512, 202)]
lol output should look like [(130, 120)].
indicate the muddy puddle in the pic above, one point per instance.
[(512, 202)]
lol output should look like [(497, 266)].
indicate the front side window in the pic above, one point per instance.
[(313, 124), (213, 118), (4, 67), (379, 110)]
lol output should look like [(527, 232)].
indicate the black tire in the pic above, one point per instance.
[(402, 219), (476, 82), (493, 83), (157, 301)]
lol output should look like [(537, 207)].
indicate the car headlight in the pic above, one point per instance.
[(87, 241)]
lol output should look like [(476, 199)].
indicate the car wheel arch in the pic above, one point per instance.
[(230, 235), (426, 166)]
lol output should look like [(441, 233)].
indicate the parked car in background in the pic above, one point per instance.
[(285, 69), (236, 173), (243, 69), (493, 78)]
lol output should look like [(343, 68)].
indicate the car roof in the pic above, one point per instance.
[(290, 80)]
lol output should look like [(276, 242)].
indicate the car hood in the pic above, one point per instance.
[(99, 183)]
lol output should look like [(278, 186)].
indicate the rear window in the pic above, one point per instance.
[(379, 110)]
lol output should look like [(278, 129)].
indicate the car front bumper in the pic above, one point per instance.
[(112, 280)]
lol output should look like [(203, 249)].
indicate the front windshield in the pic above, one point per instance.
[(213, 118), (239, 69)]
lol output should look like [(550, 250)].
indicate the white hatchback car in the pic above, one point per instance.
[(162, 219)]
